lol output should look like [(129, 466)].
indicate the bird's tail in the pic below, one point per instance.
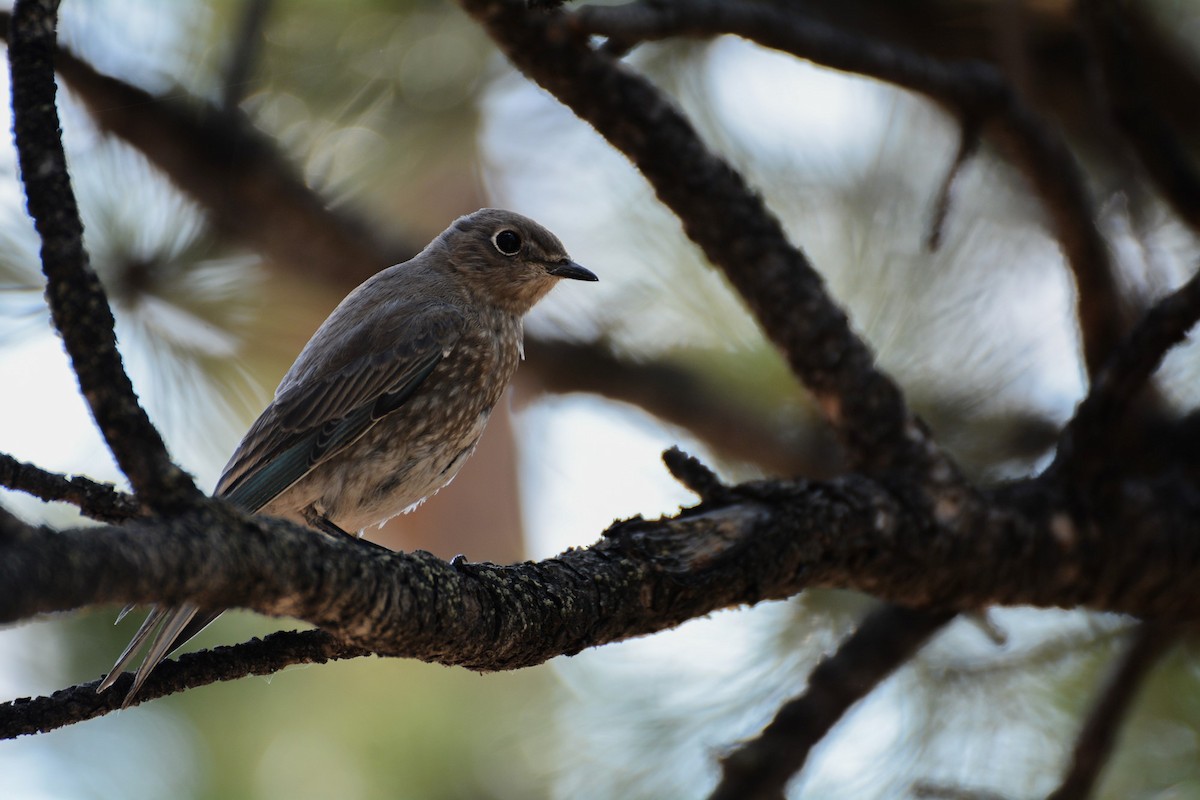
[(167, 629)]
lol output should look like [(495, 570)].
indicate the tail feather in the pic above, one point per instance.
[(143, 633), (177, 620), (166, 629)]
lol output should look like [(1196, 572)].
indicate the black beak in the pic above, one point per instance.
[(569, 269)]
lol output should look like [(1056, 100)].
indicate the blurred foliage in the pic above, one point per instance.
[(377, 102), (403, 113)]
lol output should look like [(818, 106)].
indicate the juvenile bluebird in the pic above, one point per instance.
[(389, 396)]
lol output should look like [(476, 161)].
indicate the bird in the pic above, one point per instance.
[(387, 399)]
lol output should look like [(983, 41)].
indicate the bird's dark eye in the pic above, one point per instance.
[(507, 242)]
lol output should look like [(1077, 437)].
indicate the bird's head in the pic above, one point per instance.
[(507, 259)]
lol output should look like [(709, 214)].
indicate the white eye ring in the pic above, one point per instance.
[(507, 242)]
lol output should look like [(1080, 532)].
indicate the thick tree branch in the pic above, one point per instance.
[(1099, 733), (974, 91), (767, 541), (761, 768), (100, 501), (77, 301), (732, 226)]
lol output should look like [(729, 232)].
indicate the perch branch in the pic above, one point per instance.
[(767, 540)]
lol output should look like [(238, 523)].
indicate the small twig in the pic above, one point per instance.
[(1165, 325), (968, 145), (889, 636), (1099, 733), (695, 475), (101, 501), (78, 304), (25, 716)]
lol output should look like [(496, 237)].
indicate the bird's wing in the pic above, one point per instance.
[(314, 418)]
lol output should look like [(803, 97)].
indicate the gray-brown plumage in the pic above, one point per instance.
[(389, 397)]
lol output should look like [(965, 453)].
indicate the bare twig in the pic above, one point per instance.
[(1166, 324), (77, 301), (889, 636), (25, 716), (968, 145), (972, 90), (694, 474), (1099, 733), (101, 501)]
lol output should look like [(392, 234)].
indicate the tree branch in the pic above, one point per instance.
[(77, 301), (266, 656), (1090, 434), (100, 501), (1099, 733), (973, 91), (769, 540), (761, 768)]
